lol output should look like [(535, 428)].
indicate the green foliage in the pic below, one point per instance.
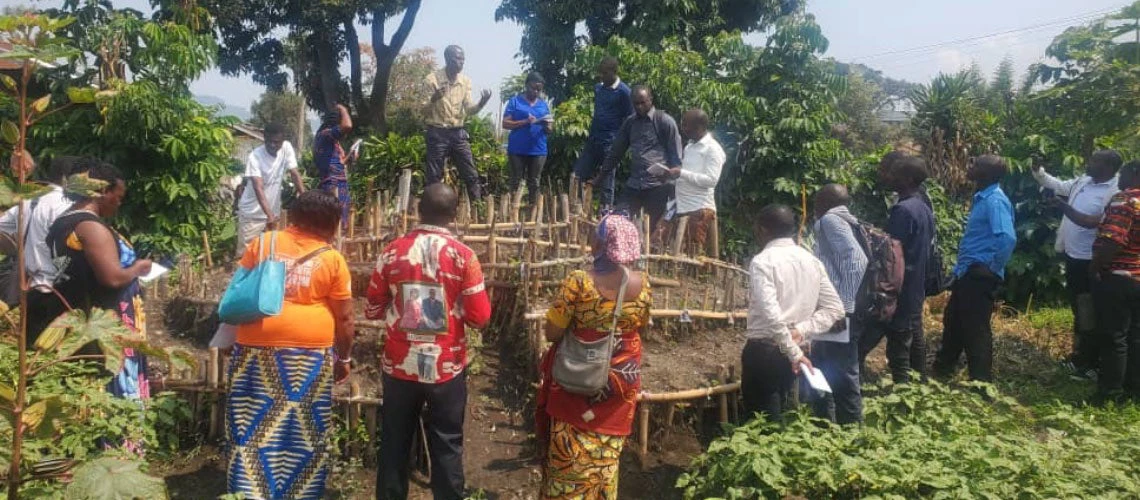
[(383, 158), (114, 479), (285, 109), (549, 40), (925, 441)]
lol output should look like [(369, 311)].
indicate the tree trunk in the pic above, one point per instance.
[(385, 57), (363, 117), (330, 73)]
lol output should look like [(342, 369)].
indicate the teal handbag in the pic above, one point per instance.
[(255, 293)]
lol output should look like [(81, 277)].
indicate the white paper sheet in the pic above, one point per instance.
[(658, 169), (156, 270), (815, 378), (841, 337)]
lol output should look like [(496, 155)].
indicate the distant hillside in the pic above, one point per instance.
[(226, 108)]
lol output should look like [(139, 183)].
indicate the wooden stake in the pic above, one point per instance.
[(679, 238), (648, 235), (516, 205), (714, 239), (722, 398), (540, 205), (212, 383), (643, 430), (206, 250), (352, 412)]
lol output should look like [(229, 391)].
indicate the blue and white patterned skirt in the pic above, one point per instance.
[(278, 422)]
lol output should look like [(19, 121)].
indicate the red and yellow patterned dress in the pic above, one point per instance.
[(585, 434)]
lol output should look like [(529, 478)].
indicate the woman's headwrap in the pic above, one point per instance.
[(619, 241)]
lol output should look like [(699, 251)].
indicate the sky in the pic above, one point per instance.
[(905, 39)]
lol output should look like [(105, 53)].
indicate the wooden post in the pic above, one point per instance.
[(491, 212), (679, 238), (516, 205), (714, 239), (670, 413), (206, 249), (643, 430), (212, 397), (572, 197), (648, 235), (732, 401), (505, 207), (536, 215), (587, 200), (722, 398), (370, 423), (352, 412)]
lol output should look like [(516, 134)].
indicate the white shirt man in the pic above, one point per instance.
[(39, 214), (791, 299), (790, 290), (696, 179), (264, 172), (701, 164), (1088, 196)]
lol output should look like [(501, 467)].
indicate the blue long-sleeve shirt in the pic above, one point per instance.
[(989, 237), (612, 104)]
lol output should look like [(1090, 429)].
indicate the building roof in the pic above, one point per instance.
[(15, 64), (248, 130)]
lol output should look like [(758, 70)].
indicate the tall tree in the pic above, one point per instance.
[(549, 38), (250, 45), (999, 94), (281, 108)]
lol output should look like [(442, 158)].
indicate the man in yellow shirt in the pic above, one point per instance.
[(446, 110)]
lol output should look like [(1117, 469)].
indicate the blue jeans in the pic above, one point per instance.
[(593, 155), (839, 363)]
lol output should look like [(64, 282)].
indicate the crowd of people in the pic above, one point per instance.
[(820, 308)]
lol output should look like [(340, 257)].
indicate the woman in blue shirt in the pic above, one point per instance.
[(530, 121)]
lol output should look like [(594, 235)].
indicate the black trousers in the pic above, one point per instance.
[(766, 379), (400, 417), (1118, 324), (588, 165), (1086, 345), (966, 327), (653, 200), (906, 348), (530, 168), (839, 363), (456, 144)]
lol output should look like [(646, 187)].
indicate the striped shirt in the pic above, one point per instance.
[(842, 255), (1121, 225)]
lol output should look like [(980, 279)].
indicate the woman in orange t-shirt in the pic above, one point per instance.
[(283, 368)]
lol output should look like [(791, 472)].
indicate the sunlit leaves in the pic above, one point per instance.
[(84, 185), (9, 131), (40, 105), (111, 478), (71, 331), (81, 95)]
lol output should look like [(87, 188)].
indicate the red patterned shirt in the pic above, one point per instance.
[(1121, 225), (427, 287)]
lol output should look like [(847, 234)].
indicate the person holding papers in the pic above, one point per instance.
[(97, 269), (530, 121), (697, 177), (791, 301), (651, 137), (837, 354)]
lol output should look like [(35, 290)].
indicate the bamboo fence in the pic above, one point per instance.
[(526, 256)]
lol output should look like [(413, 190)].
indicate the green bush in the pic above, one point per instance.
[(383, 158), (928, 441)]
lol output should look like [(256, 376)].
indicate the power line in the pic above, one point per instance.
[(917, 59), (975, 39)]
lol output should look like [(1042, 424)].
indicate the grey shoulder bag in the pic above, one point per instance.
[(582, 367)]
